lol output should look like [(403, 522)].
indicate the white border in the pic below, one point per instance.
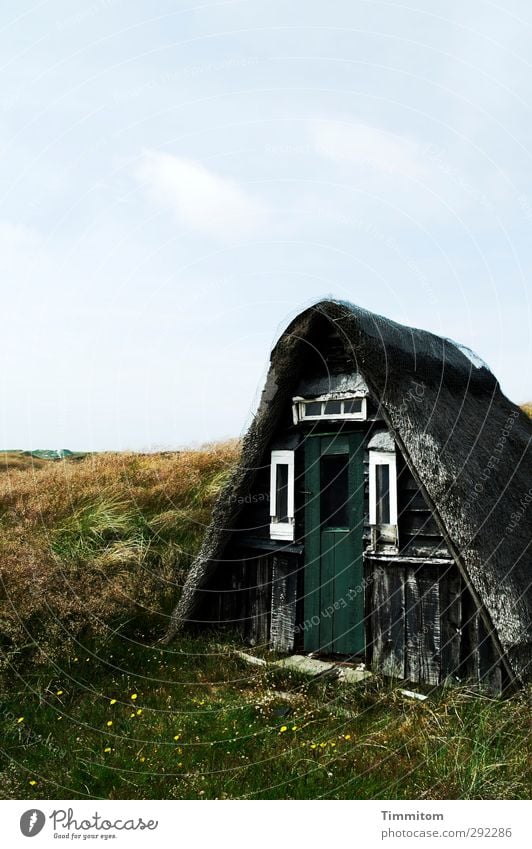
[(382, 458), (299, 404), (282, 530)]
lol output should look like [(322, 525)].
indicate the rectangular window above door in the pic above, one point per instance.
[(344, 406), (282, 495)]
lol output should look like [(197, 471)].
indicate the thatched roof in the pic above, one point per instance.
[(468, 446)]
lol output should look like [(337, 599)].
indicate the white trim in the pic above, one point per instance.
[(282, 530), (382, 458), (299, 407)]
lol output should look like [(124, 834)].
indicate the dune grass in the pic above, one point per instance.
[(88, 545)]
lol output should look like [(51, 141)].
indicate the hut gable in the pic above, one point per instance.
[(463, 460)]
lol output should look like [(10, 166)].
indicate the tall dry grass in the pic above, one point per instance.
[(88, 546)]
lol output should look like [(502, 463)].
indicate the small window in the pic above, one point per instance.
[(282, 495), (382, 493), (382, 488), (281, 492), (344, 407), (353, 405), (313, 408), (333, 408)]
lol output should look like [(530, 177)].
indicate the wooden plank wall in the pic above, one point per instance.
[(424, 627), (423, 624), (422, 633), (257, 596), (387, 605), (284, 603), (244, 597)]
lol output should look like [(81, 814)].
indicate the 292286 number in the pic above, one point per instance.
[(490, 831)]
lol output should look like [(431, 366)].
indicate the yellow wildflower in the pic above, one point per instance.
[(133, 696), (322, 745), (177, 736), (112, 702), (142, 759), (110, 722), (294, 727), (313, 745), (347, 736), (139, 711), (283, 729), (59, 693), (20, 719), (107, 749), (33, 782)]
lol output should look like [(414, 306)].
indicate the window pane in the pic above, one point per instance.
[(353, 405), (281, 492), (333, 408), (313, 408), (382, 480), (334, 490)]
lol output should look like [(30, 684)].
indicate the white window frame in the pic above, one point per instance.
[(282, 530), (299, 406), (382, 458)]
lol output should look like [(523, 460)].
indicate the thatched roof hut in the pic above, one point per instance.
[(466, 445)]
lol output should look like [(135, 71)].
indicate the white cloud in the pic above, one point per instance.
[(363, 145), (202, 200)]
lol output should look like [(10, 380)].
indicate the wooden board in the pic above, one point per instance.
[(284, 597), (388, 619), (423, 661), (257, 621), (451, 624)]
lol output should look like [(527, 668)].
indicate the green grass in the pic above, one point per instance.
[(246, 732)]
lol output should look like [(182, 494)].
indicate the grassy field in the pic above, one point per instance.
[(133, 721), (93, 552)]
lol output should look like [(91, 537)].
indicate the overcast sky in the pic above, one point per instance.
[(179, 179)]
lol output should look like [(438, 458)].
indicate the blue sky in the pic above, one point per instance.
[(179, 179)]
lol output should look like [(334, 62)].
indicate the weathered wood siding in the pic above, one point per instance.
[(284, 603), (387, 620), (419, 535), (241, 597), (425, 628)]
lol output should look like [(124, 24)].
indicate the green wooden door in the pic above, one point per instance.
[(334, 518)]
